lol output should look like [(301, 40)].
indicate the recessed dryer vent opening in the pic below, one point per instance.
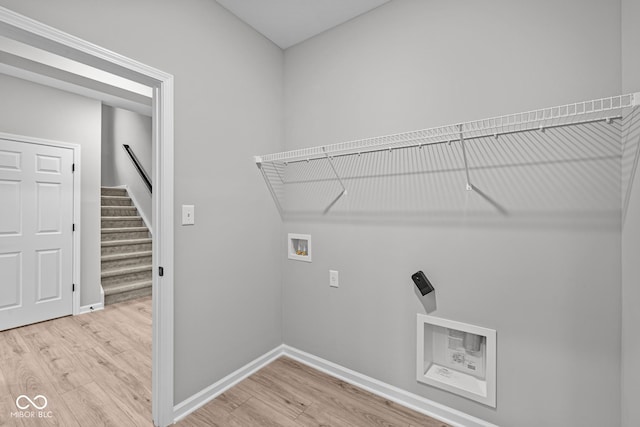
[(457, 357)]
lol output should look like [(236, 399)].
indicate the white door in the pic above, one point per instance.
[(36, 237)]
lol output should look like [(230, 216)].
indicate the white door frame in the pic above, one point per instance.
[(76, 309), (34, 33)]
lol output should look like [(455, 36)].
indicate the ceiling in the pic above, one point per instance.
[(288, 22)]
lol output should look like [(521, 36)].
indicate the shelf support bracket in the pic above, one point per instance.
[(344, 189), (470, 186), (271, 190), (464, 157)]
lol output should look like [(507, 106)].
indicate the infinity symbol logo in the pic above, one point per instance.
[(30, 402)]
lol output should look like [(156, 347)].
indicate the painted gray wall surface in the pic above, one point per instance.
[(42, 112), (408, 65), (630, 38), (551, 291), (120, 127), (631, 229), (228, 107)]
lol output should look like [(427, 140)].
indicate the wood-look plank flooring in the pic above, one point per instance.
[(95, 370), (291, 394)]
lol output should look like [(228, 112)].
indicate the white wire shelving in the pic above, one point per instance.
[(599, 110), (570, 114)]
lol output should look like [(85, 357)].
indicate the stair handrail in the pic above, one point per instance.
[(143, 174)]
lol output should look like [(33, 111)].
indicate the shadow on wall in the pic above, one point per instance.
[(428, 301), (563, 177), (630, 156)]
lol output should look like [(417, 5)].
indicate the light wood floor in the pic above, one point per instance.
[(290, 394), (95, 370)]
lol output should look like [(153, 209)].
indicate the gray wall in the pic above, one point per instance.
[(631, 227), (120, 127), (552, 291), (38, 111), (410, 64), (228, 107)]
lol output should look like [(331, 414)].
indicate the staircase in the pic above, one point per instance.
[(126, 249)]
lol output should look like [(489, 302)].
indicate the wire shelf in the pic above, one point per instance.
[(571, 114), (554, 163)]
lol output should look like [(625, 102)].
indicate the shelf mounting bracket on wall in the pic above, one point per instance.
[(258, 161), (470, 186), (344, 189)]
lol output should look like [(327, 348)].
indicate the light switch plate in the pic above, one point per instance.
[(334, 279), (188, 215)]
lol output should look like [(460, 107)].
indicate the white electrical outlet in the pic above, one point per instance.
[(188, 215), (333, 279)]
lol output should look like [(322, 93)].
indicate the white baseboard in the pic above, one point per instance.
[(93, 307), (412, 401), (387, 391), (89, 308), (203, 397)]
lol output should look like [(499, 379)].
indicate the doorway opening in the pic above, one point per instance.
[(21, 29), (126, 199)]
